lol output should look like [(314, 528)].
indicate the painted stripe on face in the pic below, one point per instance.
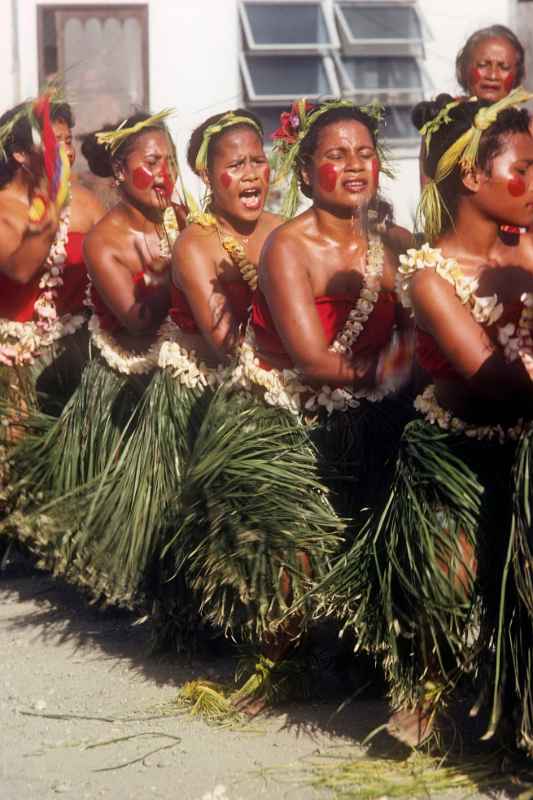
[(516, 186), (327, 177), (225, 180), (142, 177)]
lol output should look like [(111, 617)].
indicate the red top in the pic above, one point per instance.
[(106, 318), (333, 312), (433, 360), (17, 300), (239, 296)]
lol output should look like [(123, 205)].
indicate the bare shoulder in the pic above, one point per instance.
[(426, 286), (109, 236), (86, 205), (195, 239), (399, 239)]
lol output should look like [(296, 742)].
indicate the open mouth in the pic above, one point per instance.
[(251, 198), (355, 185)]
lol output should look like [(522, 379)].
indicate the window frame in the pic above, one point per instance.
[(286, 99), (401, 96), (311, 48), (87, 10), (398, 46)]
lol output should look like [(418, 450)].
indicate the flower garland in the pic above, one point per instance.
[(285, 389), (233, 248), (183, 364), (117, 357), (516, 340), (21, 342), (485, 310), (428, 405)]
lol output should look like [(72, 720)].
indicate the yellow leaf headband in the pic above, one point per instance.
[(463, 151), (112, 140), (295, 125), (226, 121)]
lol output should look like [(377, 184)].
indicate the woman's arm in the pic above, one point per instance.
[(139, 312), (287, 288), (194, 272), (23, 251), (464, 342)]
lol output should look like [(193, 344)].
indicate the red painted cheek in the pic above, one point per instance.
[(142, 178), (475, 76), (508, 82), (327, 177), (225, 180), (516, 186), (375, 171), (168, 183), (266, 174)]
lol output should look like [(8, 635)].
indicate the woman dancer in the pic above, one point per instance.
[(440, 582), (212, 280), (128, 258), (317, 353), (42, 273)]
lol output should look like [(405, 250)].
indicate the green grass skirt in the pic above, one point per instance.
[(455, 507)]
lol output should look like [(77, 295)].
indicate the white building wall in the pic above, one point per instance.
[(194, 66)]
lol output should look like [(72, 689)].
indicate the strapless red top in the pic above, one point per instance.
[(434, 362), (239, 297), (333, 312), (17, 300), (106, 318)]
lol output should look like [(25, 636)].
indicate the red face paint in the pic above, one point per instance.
[(225, 180), (516, 186), (475, 76), (327, 177), (375, 171), (142, 177), (508, 82), (168, 183), (266, 173)]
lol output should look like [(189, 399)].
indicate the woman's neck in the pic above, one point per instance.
[(473, 235), (234, 226), (138, 215), (340, 228)]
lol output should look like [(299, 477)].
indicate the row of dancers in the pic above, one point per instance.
[(241, 424)]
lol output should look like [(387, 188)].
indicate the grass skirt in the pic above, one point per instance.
[(456, 507)]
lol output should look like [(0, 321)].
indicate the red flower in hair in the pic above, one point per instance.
[(290, 123)]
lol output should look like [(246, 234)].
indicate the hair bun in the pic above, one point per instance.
[(428, 110), (97, 155)]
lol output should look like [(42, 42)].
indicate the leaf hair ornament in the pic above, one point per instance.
[(112, 140), (226, 121), (294, 127), (462, 152)]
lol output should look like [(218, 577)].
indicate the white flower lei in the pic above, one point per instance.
[(183, 364), (284, 388), (485, 310), (118, 358), (434, 413), (21, 342), (516, 340)]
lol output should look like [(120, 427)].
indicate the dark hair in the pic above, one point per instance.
[(310, 141), (62, 112), (512, 120), (195, 142), (464, 56), (99, 156), (19, 139)]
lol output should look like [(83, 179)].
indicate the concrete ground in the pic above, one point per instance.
[(86, 712)]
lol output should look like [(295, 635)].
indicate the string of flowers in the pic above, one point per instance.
[(233, 248), (485, 310), (428, 405), (21, 342), (284, 387), (517, 340), (119, 358)]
